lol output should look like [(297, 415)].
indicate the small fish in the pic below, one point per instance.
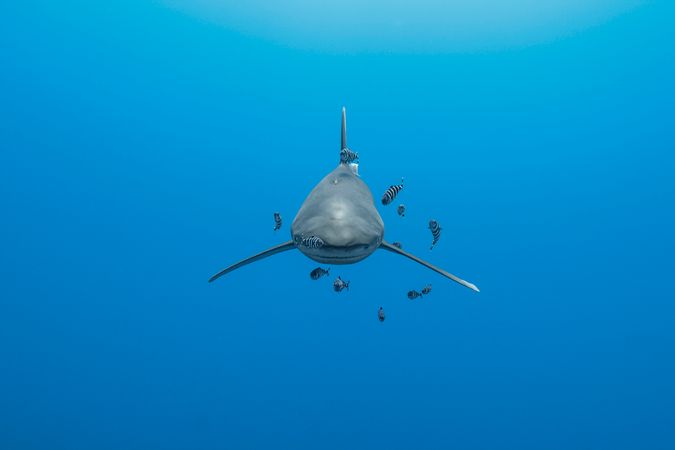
[(412, 295), (397, 244), (339, 285), (391, 193), (347, 156), (401, 210), (277, 221), (312, 242), (318, 273), (380, 314), (435, 232), (426, 289)]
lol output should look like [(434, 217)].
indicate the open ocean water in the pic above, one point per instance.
[(146, 144)]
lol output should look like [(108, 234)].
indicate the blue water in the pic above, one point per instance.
[(145, 146)]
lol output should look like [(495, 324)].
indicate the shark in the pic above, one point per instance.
[(340, 211)]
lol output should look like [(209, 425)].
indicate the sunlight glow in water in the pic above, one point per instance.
[(400, 26)]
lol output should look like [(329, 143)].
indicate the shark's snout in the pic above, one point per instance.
[(342, 241), (341, 213)]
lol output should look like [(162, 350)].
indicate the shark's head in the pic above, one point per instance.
[(338, 223), (339, 211)]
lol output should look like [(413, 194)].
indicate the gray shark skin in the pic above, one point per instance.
[(341, 212)]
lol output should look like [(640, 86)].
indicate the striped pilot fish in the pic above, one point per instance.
[(380, 314), (318, 273), (435, 232), (412, 295), (312, 242), (397, 244), (401, 210), (347, 156), (339, 285), (426, 289), (277, 221), (391, 193)]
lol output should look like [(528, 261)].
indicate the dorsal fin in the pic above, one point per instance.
[(344, 128)]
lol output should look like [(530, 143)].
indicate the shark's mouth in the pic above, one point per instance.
[(338, 254)]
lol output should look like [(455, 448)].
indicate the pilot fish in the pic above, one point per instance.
[(277, 221), (426, 289), (435, 229), (380, 314), (318, 273), (401, 210), (391, 193), (339, 285), (347, 156), (412, 295), (312, 242)]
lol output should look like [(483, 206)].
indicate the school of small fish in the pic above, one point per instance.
[(348, 157), (412, 295), (338, 285)]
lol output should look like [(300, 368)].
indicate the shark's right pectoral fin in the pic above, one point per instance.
[(394, 249), (264, 254)]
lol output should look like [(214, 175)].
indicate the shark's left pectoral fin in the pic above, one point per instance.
[(394, 249), (264, 254)]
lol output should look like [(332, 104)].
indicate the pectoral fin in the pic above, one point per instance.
[(393, 249), (269, 252)]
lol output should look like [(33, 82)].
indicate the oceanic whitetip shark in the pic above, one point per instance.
[(339, 211)]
